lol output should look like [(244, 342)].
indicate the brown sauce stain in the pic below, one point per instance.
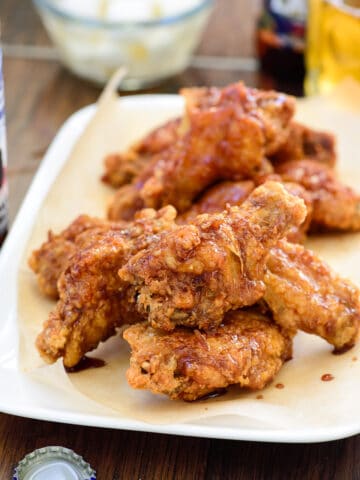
[(85, 364), (354, 359), (327, 377), (259, 397), (340, 351), (280, 386), (214, 394)]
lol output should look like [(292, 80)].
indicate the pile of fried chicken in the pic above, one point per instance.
[(201, 257)]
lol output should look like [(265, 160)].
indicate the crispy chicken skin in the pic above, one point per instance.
[(92, 303), (216, 199), (272, 109), (335, 206), (230, 132), (297, 233), (50, 260), (195, 273), (301, 142), (247, 349), (121, 168), (304, 142), (125, 203), (304, 293)]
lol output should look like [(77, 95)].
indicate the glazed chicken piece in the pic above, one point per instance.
[(229, 133), (92, 303), (335, 206), (297, 233), (247, 349), (304, 142), (216, 199), (304, 293), (121, 168), (50, 260), (273, 109), (195, 273)]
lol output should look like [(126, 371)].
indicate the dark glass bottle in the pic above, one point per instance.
[(281, 38), (3, 163)]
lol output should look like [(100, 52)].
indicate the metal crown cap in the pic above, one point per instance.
[(45, 463)]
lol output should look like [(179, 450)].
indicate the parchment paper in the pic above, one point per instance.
[(305, 400)]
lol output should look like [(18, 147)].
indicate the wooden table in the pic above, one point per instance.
[(40, 95)]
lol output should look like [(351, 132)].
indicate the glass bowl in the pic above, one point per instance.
[(152, 50)]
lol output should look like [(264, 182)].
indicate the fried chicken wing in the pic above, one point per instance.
[(125, 203), (92, 303), (50, 260), (216, 198), (121, 168), (230, 132), (304, 293), (195, 273), (304, 142), (273, 111), (335, 206), (297, 233), (247, 349)]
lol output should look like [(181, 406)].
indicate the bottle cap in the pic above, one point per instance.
[(53, 462)]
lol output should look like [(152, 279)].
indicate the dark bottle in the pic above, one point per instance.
[(281, 38), (3, 163)]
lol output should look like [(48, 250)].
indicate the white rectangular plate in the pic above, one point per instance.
[(23, 395)]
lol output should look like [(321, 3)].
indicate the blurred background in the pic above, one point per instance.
[(229, 33)]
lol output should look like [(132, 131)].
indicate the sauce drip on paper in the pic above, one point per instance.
[(216, 393), (85, 364)]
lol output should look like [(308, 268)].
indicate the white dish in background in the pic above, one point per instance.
[(25, 396), (94, 44)]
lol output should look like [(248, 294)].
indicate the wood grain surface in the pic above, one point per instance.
[(40, 95)]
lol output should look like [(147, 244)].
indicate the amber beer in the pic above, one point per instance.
[(333, 44), (3, 162)]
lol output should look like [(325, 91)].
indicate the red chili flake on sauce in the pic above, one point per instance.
[(259, 397), (280, 385), (327, 377)]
